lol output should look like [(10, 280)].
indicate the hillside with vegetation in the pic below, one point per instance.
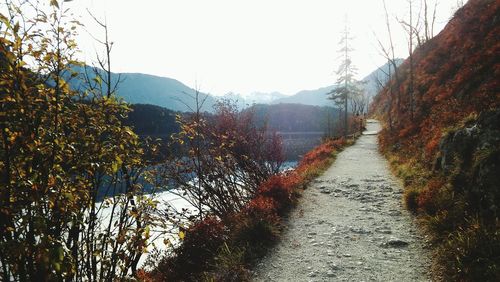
[(442, 136), (151, 120), (140, 88)]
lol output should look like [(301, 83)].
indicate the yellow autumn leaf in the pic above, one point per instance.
[(54, 3), (116, 165), (182, 234)]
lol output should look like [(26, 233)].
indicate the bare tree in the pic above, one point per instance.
[(389, 54), (221, 160), (411, 30), (429, 20), (358, 99)]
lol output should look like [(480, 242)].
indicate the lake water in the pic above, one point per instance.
[(296, 144)]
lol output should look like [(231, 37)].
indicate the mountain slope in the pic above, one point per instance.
[(138, 88), (160, 91), (245, 101), (151, 120), (263, 97), (318, 97), (315, 97), (444, 140)]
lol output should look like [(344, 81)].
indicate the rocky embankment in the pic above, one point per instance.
[(350, 225)]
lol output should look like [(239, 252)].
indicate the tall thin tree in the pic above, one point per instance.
[(347, 84)]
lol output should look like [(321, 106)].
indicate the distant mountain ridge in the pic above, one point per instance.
[(161, 91), (318, 97), (245, 101), (139, 88)]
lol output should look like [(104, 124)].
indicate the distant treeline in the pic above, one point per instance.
[(151, 120), (296, 117)]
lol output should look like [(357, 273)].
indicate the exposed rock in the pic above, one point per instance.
[(395, 243), (360, 230), (471, 154), (312, 274), (383, 230)]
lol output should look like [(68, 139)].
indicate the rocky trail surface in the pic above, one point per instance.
[(350, 225)]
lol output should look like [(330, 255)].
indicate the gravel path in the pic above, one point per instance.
[(350, 225)]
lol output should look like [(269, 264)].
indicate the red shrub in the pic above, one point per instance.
[(429, 199), (144, 276), (281, 189), (432, 145), (260, 207), (256, 226), (253, 229), (407, 131), (321, 152), (278, 188)]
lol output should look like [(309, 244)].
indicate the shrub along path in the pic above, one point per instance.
[(350, 225)]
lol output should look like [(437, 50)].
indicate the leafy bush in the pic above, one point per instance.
[(61, 152), (279, 189), (222, 159), (318, 159), (248, 233), (432, 198), (196, 253)]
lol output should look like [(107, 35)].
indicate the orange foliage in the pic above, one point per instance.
[(144, 276), (408, 130), (455, 79), (256, 226), (455, 74), (321, 153), (432, 145), (427, 199), (259, 206)]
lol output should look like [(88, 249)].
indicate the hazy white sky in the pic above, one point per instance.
[(244, 45)]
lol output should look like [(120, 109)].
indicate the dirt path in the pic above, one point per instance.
[(350, 226)]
